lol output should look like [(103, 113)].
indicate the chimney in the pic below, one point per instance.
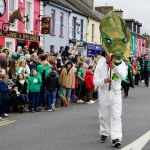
[(119, 12), (104, 9)]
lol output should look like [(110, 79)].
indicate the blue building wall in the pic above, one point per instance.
[(55, 40)]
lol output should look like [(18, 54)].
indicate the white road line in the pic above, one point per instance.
[(139, 143)]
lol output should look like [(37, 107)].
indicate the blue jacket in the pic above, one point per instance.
[(3, 91)]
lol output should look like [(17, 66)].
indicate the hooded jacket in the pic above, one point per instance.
[(51, 81), (44, 66), (34, 83), (88, 79)]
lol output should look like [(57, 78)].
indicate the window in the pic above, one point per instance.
[(10, 44), (61, 24), (12, 7), (81, 29), (29, 16), (61, 48), (92, 32), (74, 27), (53, 21), (52, 49)]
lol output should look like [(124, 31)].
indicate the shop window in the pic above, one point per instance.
[(74, 27), (61, 24), (81, 29), (53, 22), (10, 44), (13, 5), (29, 16)]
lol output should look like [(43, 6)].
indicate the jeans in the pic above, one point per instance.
[(51, 98), (42, 99), (24, 97), (146, 74), (67, 92), (2, 107), (34, 99), (137, 78)]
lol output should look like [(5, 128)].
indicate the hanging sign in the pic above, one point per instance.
[(5, 28), (45, 27)]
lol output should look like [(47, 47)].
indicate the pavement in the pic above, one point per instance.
[(75, 127)]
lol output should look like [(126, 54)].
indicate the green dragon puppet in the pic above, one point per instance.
[(115, 36)]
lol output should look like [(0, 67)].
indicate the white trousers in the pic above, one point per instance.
[(110, 110)]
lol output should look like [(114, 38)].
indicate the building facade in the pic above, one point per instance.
[(24, 30), (59, 35), (77, 31)]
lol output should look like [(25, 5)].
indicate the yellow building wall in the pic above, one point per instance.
[(96, 31), (127, 53)]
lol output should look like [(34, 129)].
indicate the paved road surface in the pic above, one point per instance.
[(75, 127)]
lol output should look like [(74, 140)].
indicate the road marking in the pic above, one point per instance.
[(139, 143), (5, 122)]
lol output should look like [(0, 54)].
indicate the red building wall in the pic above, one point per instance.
[(21, 26)]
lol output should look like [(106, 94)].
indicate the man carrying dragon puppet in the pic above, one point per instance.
[(109, 73)]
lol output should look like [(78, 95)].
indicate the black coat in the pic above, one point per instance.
[(22, 88), (51, 82)]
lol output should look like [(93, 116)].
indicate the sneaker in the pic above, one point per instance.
[(80, 101), (32, 110), (26, 110), (53, 107), (103, 139), (0, 118), (116, 143), (6, 115), (91, 102), (49, 110)]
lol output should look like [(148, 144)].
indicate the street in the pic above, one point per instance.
[(75, 127)]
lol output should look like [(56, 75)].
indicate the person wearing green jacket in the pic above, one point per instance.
[(146, 70), (33, 88), (128, 81)]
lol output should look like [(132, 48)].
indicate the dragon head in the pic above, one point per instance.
[(115, 36)]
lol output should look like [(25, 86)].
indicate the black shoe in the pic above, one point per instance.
[(38, 110), (125, 96), (103, 139), (116, 143)]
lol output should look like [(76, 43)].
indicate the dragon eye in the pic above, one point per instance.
[(108, 41), (125, 40)]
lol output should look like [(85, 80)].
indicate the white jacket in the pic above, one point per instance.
[(102, 72)]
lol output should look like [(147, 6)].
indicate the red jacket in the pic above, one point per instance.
[(88, 79)]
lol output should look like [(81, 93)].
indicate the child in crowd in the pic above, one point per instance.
[(24, 68), (89, 85), (3, 95), (22, 88), (33, 88), (51, 83)]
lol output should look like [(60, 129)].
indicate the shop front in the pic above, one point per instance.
[(81, 45), (14, 39), (94, 50)]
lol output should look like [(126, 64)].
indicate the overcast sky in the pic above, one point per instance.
[(133, 9)]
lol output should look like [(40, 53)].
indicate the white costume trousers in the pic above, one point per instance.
[(110, 110)]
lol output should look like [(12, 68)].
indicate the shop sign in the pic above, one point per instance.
[(12, 34), (45, 26), (5, 28)]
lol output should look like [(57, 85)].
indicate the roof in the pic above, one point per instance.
[(66, 4), (86, 9)]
